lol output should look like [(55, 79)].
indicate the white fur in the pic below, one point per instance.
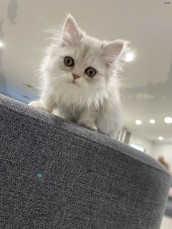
[(92, 102)]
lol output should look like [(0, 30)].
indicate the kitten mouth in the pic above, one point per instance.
[(74, 82)]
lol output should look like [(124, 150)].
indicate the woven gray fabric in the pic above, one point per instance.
[(59, 175)]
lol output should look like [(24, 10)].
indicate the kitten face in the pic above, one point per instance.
[(80, 63), (87, 65)]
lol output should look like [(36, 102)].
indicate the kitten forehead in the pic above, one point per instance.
[(88, 45), (86, 50), (87, 57)]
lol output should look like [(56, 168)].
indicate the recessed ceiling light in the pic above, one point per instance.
[(168, 120), (152, 121), (138, 122), (1, 44), (160, 138), (129, 57)]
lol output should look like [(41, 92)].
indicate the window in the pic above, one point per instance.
[(140, 148)]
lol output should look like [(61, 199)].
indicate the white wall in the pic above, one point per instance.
[(146, 144)]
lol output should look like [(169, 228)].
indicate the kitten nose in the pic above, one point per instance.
[(75, 76)]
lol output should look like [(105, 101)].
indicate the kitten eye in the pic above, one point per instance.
[(91, 72), (68, 61)]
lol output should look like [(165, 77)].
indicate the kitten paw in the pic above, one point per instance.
[(88, 124), (38, 104)]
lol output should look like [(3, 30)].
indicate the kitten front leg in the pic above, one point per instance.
[(110, 121), (46, 103), (87, 119), (62, 113)]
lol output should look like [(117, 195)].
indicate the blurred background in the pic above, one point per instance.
[(147, 78)]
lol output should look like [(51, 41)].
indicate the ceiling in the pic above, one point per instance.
[(147, 81)]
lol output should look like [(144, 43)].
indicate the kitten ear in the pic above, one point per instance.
[(112, 50), (71, 31)]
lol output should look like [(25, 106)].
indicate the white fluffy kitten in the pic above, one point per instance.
[(79, 78)]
